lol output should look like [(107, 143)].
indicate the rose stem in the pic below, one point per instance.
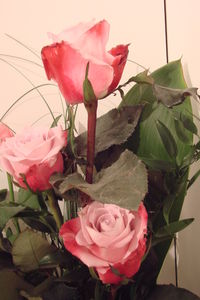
[(92, 117), (55, 208), (113, 291)]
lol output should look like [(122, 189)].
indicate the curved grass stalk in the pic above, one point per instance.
[(21, 58), (63, 111), (42, 117), (22, 44), (24, 69), (139, 65), (21, 97), (23, 75)]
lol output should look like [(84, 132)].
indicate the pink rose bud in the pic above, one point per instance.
[(5, 132), (106, 236), (35, 153), (65, 61)]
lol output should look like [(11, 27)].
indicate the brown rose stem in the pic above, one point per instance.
[(113, 290), (54, 208), (92, 117)]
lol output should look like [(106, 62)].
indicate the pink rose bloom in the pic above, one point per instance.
[(107, 235), (5, 132), (35, 152), (65, 61)]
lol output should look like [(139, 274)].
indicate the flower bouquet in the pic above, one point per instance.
[(93, 215)]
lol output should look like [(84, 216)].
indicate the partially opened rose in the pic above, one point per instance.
[(106, 236), (5, 132), (35, 153), (65, 61)]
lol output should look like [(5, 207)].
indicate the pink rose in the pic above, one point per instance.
[(65, 61), (35, 152), (5, 132), (106, 235)]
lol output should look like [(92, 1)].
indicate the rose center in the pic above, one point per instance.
[(105, 222)]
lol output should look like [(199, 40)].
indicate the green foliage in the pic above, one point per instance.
[(28, 199), (3, 194), (8, 211), (28, 249), (150, 145), (154, 121), (159, 138), (172, 228), (113, 128), (124, 183), (167, 139), (89, 95)]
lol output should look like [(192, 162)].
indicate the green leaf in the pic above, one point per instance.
[(28, 250), (167, 139), (113, 128), (170, 292), (41, 223), (28, 199), (3, 194), (124, 183), (55, 121), (193, 179), (170, 75), (188, 123), (55, 258), (142, 77), (181, 132), (173, 227), (167, 207), (158, 164), (162, 248), (170, 96), (88, 90), (11, 284), (8, 211)]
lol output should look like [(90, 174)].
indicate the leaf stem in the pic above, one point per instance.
[(54, 208), (12, 200), (10, 186), (92, 117)]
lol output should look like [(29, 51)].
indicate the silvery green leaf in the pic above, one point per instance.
[(113, 128), (171, 97), (124, 183)]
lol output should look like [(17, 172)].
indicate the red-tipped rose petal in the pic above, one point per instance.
[(120, 53)]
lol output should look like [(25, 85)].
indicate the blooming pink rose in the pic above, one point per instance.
[(35, 152), (65, 61), (5, 132), (106, 235)]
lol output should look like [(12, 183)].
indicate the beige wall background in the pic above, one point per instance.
[(140, 23)]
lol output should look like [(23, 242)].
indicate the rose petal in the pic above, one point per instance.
[(68, 232), (120, 53), (72, 34)]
